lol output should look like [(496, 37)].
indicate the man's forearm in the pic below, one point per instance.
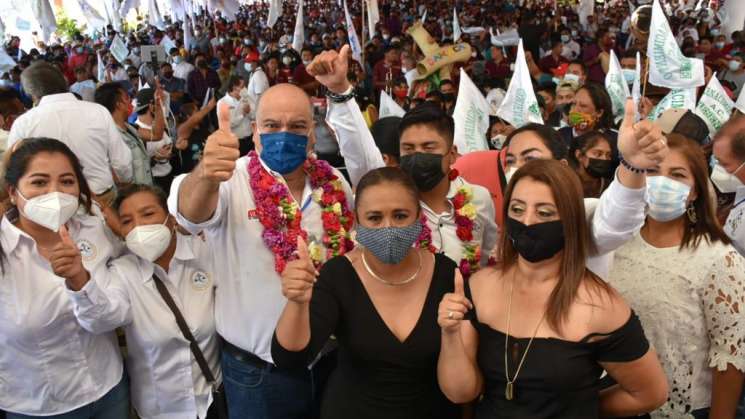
[(197, 197)]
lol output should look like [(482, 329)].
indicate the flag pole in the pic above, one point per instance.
[(362, 27), (646, 78)]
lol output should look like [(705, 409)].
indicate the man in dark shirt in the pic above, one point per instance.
[(301, 77), (548, 63), (201, 79), (175, 86), (531, 33), (386, 70)]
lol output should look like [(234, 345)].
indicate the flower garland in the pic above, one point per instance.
[(465, 217), (281, 216)]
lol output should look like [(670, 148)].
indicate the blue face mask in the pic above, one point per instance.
[(666, 199), (629, 75), (283, 151)]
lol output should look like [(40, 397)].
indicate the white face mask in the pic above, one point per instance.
[(498, 140), (50, 210), (149, 241), (725, 182), (571, 77), (509, 173), (249, 67)]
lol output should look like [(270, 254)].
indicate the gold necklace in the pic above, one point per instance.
[(387, 282), (509, 391)]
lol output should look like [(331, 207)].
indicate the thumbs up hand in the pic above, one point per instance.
[(642, 144), (453, 307), (221, 151), (67, 262), (299, 276), (330, 69)]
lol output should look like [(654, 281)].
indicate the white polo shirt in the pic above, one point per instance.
[(49, 364), (734, 226), (166, 382), (249, 300)]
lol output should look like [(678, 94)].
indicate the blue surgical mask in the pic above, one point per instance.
[(629, 75), (390, 245), (283, 151), (565, 38), (666, 199)]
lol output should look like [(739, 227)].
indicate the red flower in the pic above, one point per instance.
[(459, 200), (464, 234)]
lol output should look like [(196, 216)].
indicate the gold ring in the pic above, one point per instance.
[(450, 314)]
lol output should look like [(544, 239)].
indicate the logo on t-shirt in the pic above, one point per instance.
[(200, 280), (88, 250)]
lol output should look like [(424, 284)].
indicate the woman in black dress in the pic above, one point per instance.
[(543, 327), (380, 302)]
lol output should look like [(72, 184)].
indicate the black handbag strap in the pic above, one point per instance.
[(198, 355)]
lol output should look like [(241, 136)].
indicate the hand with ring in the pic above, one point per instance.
[(453, 307)]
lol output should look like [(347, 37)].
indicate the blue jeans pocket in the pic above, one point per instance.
[(241, 374)]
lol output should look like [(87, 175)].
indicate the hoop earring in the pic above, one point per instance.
[(691, 212)]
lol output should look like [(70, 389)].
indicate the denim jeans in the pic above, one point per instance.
[(265, 392), (113, 405)]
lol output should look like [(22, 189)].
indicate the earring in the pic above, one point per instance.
[(691, 212), (453, 174)]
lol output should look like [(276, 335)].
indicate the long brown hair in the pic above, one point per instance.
[(567, 192), (706, 226)]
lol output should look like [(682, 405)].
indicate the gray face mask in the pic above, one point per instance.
[(389, 244)]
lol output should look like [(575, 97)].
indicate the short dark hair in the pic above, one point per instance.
[(387, 175), (581, 64), (232, 82), (385, 134), (431, 115), (109, 94), (550, 138), (134, 188)]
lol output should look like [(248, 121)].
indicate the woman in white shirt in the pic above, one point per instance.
[(49, 365), (167, 381), (686, 282)]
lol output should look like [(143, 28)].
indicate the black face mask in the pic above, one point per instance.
[(598, 168), (537, 242), (448, 97), (424, 168)]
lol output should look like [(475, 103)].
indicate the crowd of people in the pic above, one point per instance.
[(244, 230)]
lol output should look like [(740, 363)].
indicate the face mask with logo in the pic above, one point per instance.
[(537, 242), (666, 199), (51, 210), (725, 182), (599, 168), (390, 245), (424, 168), (283, 151), (629, 75), (149, 241), (581, 120)]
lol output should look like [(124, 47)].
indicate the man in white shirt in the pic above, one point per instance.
[(258, 83), (237, 111), (571, 48), (729, 176), (218, 197), (84, 86), (87, 128), (181, 67)]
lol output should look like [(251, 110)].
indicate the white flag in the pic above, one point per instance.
[(740, 105), (275, 11), (636, 90), (112, 14), (714, 107), (668, 67), (520, 106), (585, 9), (298, 37), (456, 26), (118, 49), (373, 16), (154, 17), (178, 10), (188, 35), (616, 85), (94, 19), (6, 63), (227, 8), (676, 99), (100, 68), (389, 107), (732, 15), (471, 115), (424, 15), (44, 15), (127, 5), (508, 38), (354, 41)]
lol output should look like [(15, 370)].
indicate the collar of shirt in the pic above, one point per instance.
[(183, 253), (11, 234), (454, 185), (59, 97)]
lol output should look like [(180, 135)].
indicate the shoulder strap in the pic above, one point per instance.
[(198, 355)]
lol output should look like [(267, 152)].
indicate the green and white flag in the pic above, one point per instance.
[(456, 26), (520, 106), (740, 105), (668, 67), (676, 99), (636, 90), (714, 107), (389, 107), (616, 86), (471, 115)]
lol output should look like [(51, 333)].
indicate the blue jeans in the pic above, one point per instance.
[(113, 405), (265, 392)]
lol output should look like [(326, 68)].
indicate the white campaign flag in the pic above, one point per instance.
[(100, 68), (585, 9), (676, 99), (456, 26), (507, 38), (732, 15), (636, 90), (389, 107), (188, 35), (471, 115), (616, 85), (520, 106), (740, 104), (154, 16), (127, 5), (178, 10), (373, 16), (668, 67), (354, 41), (118, 49), (227, 8), (6, 62), (2, 29), (112, 14), (424, 15), (44, 15), (275, 11), (95, 20), (298, 37), (714, 107)]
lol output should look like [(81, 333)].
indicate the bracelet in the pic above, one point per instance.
[(631, 168), (341, 98)]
